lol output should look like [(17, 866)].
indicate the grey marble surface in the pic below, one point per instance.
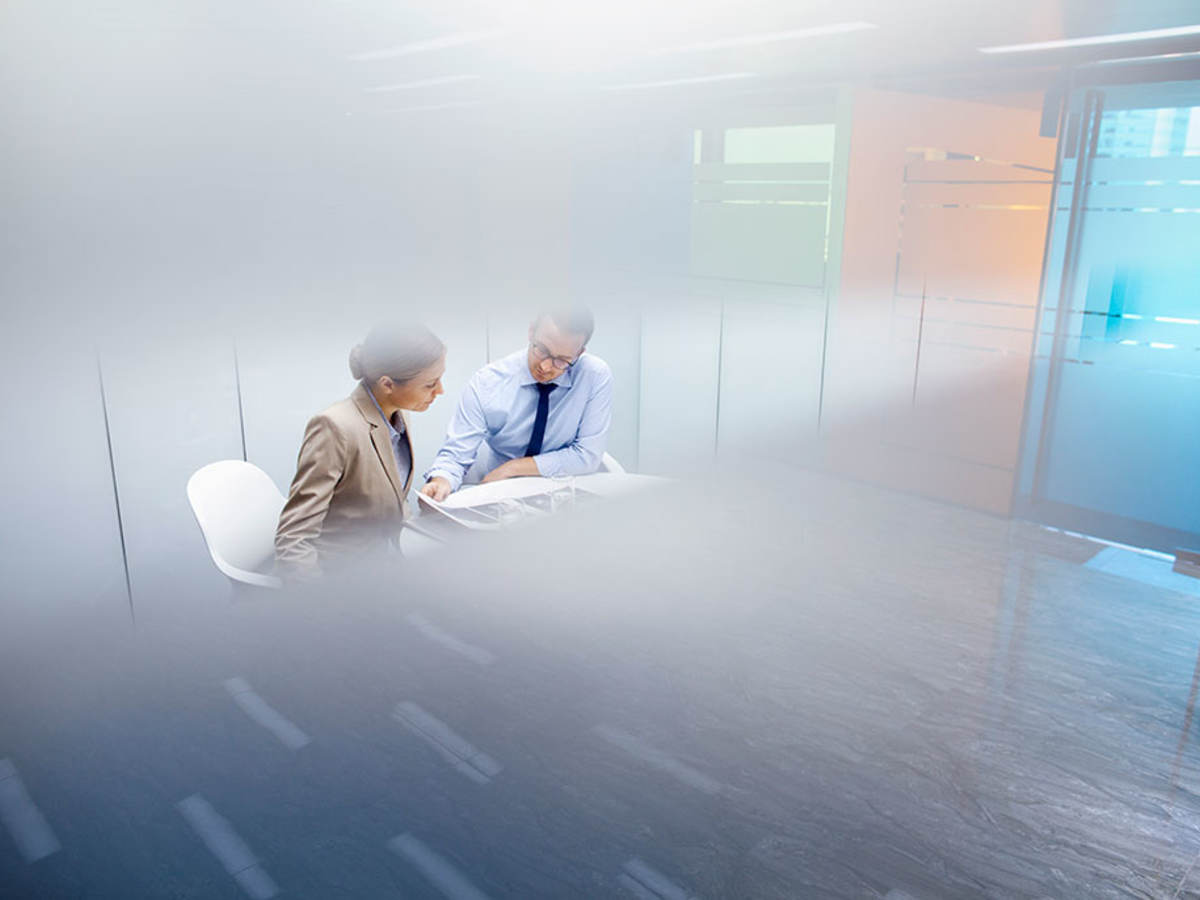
[(816, 690)]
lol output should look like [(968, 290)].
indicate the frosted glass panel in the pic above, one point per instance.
[(507, 332), (770, 376), (618, 342), (286, 379), (1127, 442), (779, 144), (58, 496), (753, 242), (680, 347), (173, 408), (762, 212)]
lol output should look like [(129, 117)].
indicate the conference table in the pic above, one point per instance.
[(510, 503)]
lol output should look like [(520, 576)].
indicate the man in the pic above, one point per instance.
[(544, 410)]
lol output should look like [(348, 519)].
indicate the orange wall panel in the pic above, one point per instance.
[(957, 440)]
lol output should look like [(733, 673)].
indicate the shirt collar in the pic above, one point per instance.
[(393, 431)]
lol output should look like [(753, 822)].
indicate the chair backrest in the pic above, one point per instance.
[(609, 464), (237, 506)]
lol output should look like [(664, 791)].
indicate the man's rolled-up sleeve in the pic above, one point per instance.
[(467, 429)]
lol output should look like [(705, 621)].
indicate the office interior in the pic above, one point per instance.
[(900, 300)]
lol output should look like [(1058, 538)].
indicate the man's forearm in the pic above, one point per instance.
[(514, 468), (578, 458)]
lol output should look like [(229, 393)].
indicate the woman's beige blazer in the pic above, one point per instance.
[(347, 498)]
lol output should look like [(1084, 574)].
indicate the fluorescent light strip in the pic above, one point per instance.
[(427, 82), (1122, 38), (1128, 59), (407, 109), (702, 79), (1176, 321), (459, 39), (772, 37)]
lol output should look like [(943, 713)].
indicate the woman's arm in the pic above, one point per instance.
[(318, 470)]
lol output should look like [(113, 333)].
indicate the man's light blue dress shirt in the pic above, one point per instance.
[(494, 420)]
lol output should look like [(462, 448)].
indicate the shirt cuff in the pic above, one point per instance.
[(549, 464), (455, 483)]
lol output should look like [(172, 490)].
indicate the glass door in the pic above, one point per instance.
[(1111, 442)]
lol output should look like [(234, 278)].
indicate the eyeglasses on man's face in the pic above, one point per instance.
[(542, 353)]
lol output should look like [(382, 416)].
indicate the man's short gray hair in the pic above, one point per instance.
[(570, 319)]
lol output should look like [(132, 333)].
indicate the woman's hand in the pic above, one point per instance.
[(436, 487)]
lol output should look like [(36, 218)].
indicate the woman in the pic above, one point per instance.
[(355, 463)]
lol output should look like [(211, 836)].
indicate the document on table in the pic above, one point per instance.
[(483, 516), (498, 503)]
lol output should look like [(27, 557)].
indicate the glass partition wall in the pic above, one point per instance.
[(742, 336), (1111, 442)]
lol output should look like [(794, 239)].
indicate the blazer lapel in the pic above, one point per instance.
[(380, 439)]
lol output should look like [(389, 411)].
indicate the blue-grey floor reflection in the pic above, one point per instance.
[(814, 689)]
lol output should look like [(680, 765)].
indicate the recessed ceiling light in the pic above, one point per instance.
[(425, 82), (1121, 38), (700, 79), (460, 39), (772, 37)]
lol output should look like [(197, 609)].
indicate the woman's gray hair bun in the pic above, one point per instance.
[(356, 366), (402, 351)]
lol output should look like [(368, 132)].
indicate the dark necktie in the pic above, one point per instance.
[(539, 421)]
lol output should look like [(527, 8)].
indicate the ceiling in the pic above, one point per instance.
[(390, 57), (634, 48)]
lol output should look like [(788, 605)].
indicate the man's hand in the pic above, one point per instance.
[(512, 469), (436, 487)]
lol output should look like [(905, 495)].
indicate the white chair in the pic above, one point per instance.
[(237, 506), (608, 464)]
